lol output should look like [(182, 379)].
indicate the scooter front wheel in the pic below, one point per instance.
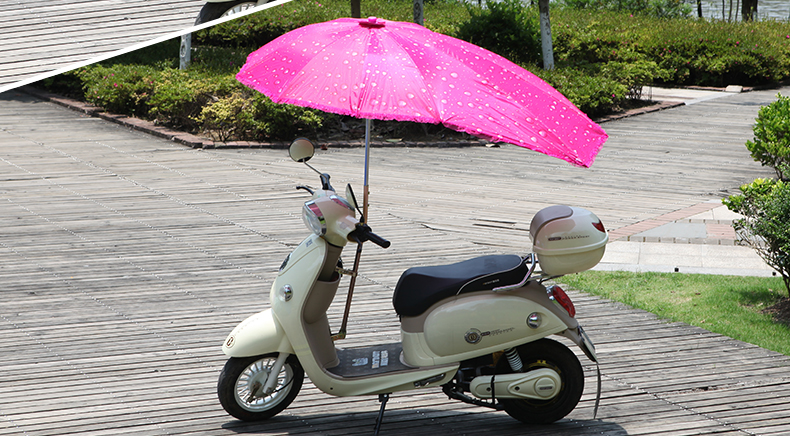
[(546, 353), (242, 378)]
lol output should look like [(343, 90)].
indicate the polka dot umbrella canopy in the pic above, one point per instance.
[(389, 70)]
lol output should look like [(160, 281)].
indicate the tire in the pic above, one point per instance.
[(212, 11), (546, 353), (240, 373)]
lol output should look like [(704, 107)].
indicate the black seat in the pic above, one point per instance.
[(421, 287)]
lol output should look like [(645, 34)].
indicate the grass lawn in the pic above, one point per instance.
[(743, 308)]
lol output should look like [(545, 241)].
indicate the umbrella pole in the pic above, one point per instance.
[(342, 333), (365, 187)]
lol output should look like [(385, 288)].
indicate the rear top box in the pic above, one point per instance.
[(567, 239)]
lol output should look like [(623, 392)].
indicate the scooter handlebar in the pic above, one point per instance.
[(378, 240), (363, 233)]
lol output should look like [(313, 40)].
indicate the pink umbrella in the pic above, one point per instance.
[(390, 70)]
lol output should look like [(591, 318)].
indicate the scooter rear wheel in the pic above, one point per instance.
[(546, 353), (241, 375)]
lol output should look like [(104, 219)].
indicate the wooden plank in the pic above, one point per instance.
[(128, 259)]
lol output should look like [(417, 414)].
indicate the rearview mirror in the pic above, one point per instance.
[(301, 150)]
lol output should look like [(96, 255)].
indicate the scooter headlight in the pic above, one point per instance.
[(313, 218)]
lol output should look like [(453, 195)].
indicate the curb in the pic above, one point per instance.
[(197, 142)]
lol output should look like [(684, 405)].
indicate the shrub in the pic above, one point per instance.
[(652, 8), (507, 28), (246, 114), (693, 51), (180, 95), (593, 94), (771, 145), (200, 99), (765, 205), (123, 89)]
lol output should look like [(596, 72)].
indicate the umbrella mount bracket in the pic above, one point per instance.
[(346, 272), (338, 336)]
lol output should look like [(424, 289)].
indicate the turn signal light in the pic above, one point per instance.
[(557, 294)]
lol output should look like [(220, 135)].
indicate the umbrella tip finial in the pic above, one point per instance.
[(372, 22)]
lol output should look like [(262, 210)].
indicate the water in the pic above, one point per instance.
[(766, 9), (712, 9)]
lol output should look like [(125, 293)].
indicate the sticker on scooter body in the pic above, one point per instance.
[(380, 358)]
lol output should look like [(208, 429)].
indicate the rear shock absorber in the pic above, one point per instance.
[(514, 360)]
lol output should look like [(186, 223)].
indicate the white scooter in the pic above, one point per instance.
[(478, 329)]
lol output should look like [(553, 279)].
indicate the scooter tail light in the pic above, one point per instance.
[(599, 226), (557, 294)]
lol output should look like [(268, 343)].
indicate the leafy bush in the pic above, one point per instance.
[(691, 51), (123, 89), (765, 205), (250, 115), (180, 95), (771, 145), (595, 94), (198, 100), (507, 28), (634, 74), (651, 8)]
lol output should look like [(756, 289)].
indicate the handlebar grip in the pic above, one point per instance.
[(363, 234), (378, 240)]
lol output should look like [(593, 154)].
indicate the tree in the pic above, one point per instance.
[(771, 143), (545, 35), (765, 205), (748, 9), (356, 9)]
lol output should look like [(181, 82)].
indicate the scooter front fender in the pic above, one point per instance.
[(259, 334)]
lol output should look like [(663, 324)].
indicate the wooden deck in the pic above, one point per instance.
[(126, 259), (42, 36)]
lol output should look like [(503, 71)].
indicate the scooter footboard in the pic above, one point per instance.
[(259, 334)]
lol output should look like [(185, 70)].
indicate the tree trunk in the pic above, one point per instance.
[(418, 13), (356, 10), (545, 35), (749, 10)]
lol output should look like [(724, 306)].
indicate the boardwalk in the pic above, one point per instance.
[(42, 36), (125, 260)]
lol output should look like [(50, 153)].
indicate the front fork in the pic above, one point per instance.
[(271, 380)]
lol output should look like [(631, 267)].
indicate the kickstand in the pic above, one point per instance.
[(383, 398)]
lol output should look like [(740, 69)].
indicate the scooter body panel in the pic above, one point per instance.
[(309, 332), (474, 324), (258, 334)]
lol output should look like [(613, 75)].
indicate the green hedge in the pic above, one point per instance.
[(198, 101), (692, 51)]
